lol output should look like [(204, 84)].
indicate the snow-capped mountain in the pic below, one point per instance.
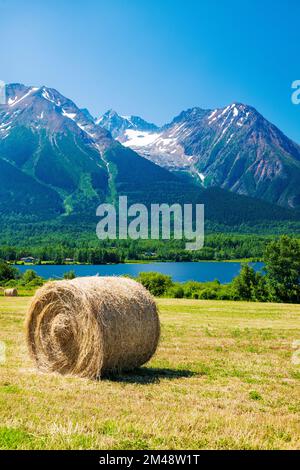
[(53, 149), (119, 126), (234, 148), (64, 162), (45, 108), (55, 161)]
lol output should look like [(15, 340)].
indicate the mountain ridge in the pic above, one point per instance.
[(234, 148), (57, 162)]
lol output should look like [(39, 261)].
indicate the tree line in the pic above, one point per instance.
[(217, 247), (280, 281)]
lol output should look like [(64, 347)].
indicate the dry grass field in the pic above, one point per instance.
[(222, 378)]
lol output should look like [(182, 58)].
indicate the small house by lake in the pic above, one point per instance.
[(28, 259)]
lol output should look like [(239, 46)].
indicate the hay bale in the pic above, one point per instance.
[(10, 292), (92, 326)]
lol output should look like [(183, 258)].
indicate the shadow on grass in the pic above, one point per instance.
[(145, 375)]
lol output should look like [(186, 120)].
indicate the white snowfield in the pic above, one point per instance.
[(167, 146), (163, 148), (69, 115), (138, 138)]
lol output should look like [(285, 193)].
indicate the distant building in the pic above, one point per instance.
[(149, 253), (28, 259), (69, 260)]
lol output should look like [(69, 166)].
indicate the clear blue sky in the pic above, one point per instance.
[(155, 58)]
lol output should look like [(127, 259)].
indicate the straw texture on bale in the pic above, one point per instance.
[(92, 326)]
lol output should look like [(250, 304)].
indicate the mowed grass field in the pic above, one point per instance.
[(222, 378)]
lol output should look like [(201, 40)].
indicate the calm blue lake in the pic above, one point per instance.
[(203, 271)]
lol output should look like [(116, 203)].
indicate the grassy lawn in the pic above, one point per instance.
[(222, 379)]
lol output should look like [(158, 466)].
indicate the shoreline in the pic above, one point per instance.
[(243, 260)]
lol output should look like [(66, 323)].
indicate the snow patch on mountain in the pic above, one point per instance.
[(16, 101), (139, 138), (69, 115), (201, 176), (46, 94)]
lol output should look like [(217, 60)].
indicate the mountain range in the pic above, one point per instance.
[(234, 148), (57, 162)]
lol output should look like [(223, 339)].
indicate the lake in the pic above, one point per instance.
[(181, 272)]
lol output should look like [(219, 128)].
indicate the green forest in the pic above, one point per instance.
[(80, 250), (279, 281)]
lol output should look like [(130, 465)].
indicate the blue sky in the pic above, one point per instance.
[(155, 58)]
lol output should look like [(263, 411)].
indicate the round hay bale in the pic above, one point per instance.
[(92, 326), (10, 292)]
